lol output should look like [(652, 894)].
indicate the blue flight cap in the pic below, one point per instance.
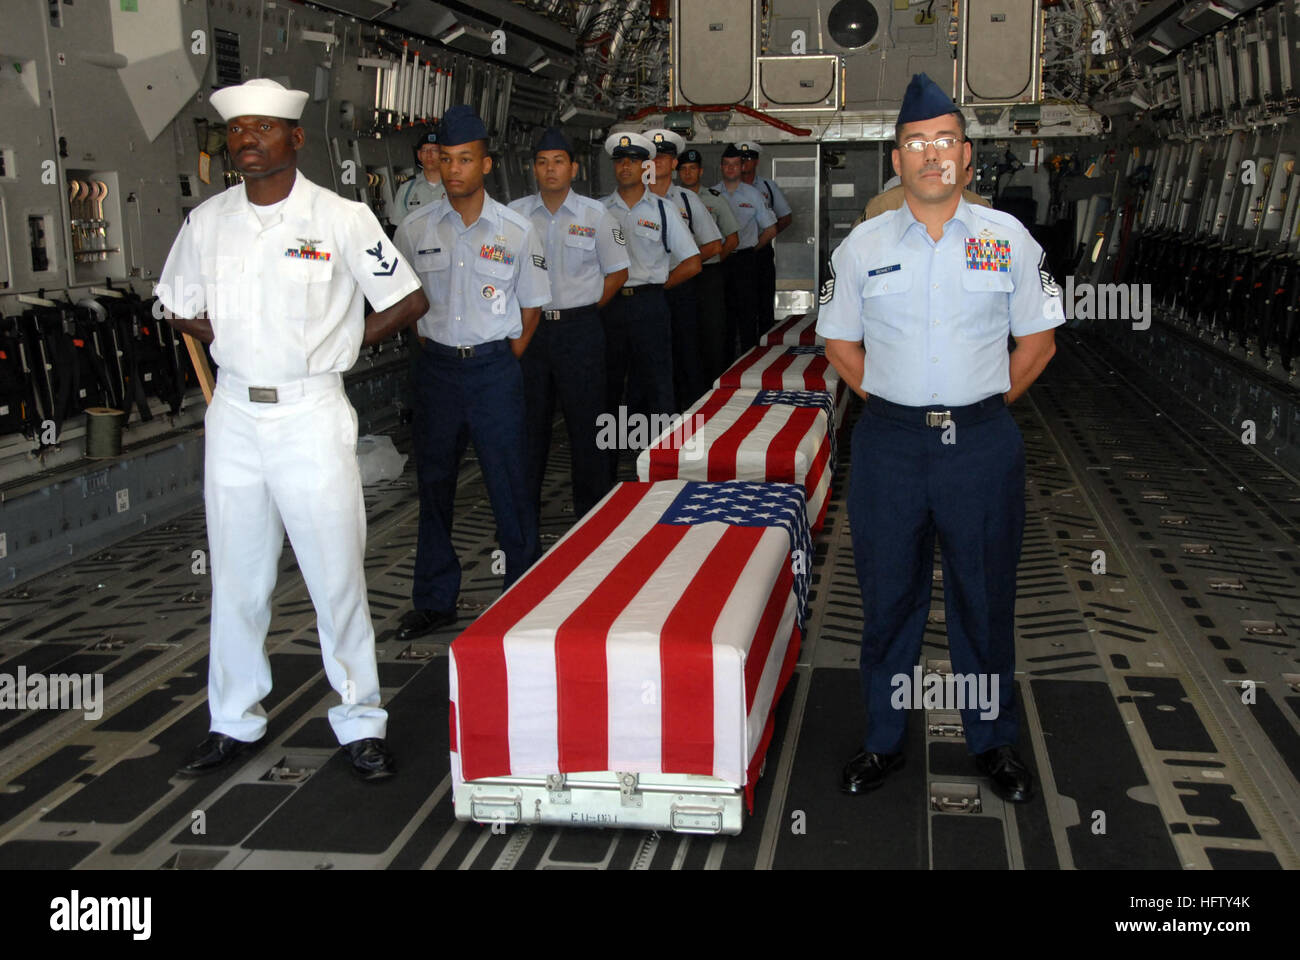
[(731, 151), (430, 137), (461, 124), (553, 138), (690, 156), (924, 100)]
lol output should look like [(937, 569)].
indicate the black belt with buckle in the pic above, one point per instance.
[(263, 395), (972, 413), (569, 313), (642, 288), (465, 353)]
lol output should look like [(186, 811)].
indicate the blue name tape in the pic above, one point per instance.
[(880, 270)]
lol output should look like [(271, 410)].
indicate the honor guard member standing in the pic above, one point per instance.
[(426, 186), (916, 315), (272, 273), (586, 258), (711, 284), (638, 326), (683, 299), (757, 228), (485, 274), (750, 152)]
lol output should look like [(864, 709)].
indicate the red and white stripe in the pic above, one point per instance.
[(774, 368), (631, 646), (800, 331), (725, 437)]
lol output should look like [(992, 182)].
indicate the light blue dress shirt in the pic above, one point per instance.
[(644, 227), (934, 316), (583, 244), (751, 210), (476, 277)]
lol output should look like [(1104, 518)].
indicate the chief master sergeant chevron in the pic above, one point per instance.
[(916, 315)]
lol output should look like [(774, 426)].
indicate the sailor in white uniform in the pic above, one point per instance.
[(272, 273)]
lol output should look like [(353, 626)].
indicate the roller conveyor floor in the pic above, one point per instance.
[(1132, 680)]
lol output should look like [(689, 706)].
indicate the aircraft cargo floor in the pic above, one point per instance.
[(1131, 683)]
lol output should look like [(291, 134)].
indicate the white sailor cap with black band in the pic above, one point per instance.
[(749, 149), (666, 142), (259, 98), (629, 144)]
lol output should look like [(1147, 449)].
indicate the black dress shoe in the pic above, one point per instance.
[(212, 754), (419, 623), (371, 759), (866, 771), (1007, 774)]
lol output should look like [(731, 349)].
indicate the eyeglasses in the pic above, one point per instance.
[(941, 144)]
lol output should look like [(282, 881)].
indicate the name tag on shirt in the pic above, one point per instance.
[(889, 269), (430, 250)]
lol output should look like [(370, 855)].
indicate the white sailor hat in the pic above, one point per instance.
[(665, 141), (749, 146), (629, 144), (259, 98)]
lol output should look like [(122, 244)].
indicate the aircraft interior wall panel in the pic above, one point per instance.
[(28, 141), (712, 47), (879, 51), (998, 60)]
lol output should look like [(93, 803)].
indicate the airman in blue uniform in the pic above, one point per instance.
[(916, 315), (683, 299), (587, 259), (484, 273), (757, 228), (638, 325)]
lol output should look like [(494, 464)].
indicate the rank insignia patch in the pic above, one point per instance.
[(986, 253), (1046, 279), (387, 265), (619, 238), (539, 261), (828, 287)]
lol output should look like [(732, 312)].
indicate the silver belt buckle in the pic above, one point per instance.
[(937, 418), (263, 395), (551, 314), (464, 352)]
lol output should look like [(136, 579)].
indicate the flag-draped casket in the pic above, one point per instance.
[(780, 436), (788, 367), (653, 641), (797, 331)]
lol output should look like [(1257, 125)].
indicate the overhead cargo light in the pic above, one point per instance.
[(468, 39), (586, 117), (1206, 15), (1133, 103), (1151, 52), (366, 9), (551, 68)]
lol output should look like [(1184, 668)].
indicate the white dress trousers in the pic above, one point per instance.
[(272, 467)]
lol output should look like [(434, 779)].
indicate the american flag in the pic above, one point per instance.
[(780, 436), (788, 367), (655, 637), (794, 331)]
